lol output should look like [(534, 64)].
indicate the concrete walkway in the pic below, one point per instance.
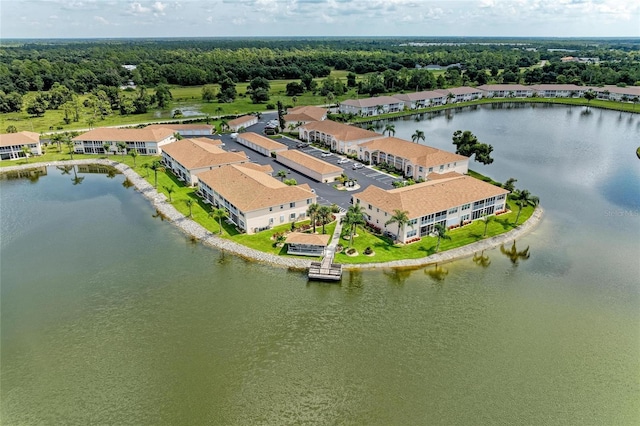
[(330, 252), (194, 229)]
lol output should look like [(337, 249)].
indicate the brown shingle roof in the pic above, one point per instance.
[(266, 168), (262, 141), (309, 162), (418, 96), (306, 114), (250, 190), (340, 131), (106, 134), (431, 196), (309, 239), (20, 138), (504, 87), (196, 154), (371, 102), (241, 120), (176, 127), (462, 90), (418, 154)]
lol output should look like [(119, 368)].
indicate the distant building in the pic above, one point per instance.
[(259, 143), (243, 122), (339, 137), (11, 145), (303, 115), (310, 166), (371, 106), (186, 130), (412, 159), (146, 141)]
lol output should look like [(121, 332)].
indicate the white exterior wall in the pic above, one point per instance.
[(454, 215), (265, 218), (257, 148), (246, 124), (14, 152), (416, 171)]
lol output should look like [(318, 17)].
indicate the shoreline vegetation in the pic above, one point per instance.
[(193, 219)]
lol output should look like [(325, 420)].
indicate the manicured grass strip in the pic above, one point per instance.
[(387, 252)]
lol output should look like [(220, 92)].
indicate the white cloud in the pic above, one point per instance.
[(101, 20), (137, 8), (159, 7)]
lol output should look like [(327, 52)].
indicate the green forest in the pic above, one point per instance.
[(86, 79)]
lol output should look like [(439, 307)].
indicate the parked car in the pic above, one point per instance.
[(302, 145), (357, 166), (326, 154), (343, 160)]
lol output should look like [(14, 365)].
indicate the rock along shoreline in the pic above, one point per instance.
[(195, 230)]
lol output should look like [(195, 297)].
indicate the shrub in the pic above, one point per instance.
[(270, 106), (351, 251), (368, 250)]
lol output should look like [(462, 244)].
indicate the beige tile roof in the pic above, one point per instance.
[(196, 154), (310, 162), (629, 90), (505, 87), (371, 102), (241, 120), (340, 131), (262, 141), (20, 138), (462, 90), (251, 190), (418, 96), (306, 114), (107, 134), (431, 196), (308, 239), (266, 168), (418, 154), (567, 87), (176, 127)]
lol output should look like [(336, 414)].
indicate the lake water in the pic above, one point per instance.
[(111, 316)]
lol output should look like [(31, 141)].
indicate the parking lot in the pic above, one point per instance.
[(325, 192)]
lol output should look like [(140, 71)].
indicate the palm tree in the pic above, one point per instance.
[(133, 153), (146, 167), (282, 174), (106, 146), (170, 190), (487, 220), (438, 273), (513, 254), (312, 212), (189, 204), (371, 127), (218, 214), (26, 151), (122, 147), (523, 199), (353, 218), (224, 125), (389, 129), (71, 147), (324, 214), (294, 99), (401, 217), (65, 170), (450, 97), (419, 134), (441, 232), (156, 166), (219, 110)]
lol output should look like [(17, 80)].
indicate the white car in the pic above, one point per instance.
[(326, 154), (343, 160), (357, 166)]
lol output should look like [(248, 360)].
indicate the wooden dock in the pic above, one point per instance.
[(325, 271)]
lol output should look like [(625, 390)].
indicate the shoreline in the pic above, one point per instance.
[(195, 230)]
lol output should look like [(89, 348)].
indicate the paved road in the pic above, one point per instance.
[(326, 193)]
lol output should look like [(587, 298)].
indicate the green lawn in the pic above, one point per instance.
[(385, 251)]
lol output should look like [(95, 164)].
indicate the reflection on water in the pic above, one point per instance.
[(515, 255), (112, 318)]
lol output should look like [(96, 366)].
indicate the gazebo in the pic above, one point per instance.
[(302, 244)]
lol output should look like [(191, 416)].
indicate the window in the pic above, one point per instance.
[(453, 210), (292, 216), (281, 206), (292, 205), (412, 233), (370, 207), (377, 210), (420, 168), (308, 201), (466, 207), (270, 221), (430, 169), (270, 209), (442, 167), (281, 218)]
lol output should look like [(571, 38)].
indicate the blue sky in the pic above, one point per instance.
[(219, 18)]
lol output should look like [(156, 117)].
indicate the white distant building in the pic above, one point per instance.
[(371, 106), (146, 141), (11, 145), (242, 123)]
